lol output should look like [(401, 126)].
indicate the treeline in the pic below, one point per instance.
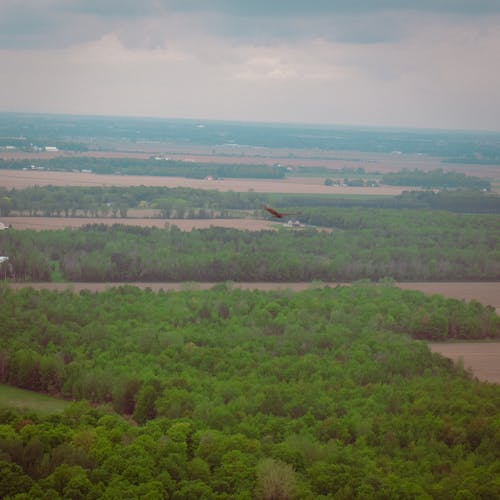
[(246, 394), (160, 167), (364, 244), (435, 179), (96, 202), (459, 201)]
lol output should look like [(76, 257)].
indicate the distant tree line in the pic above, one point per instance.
[(160, 167), (459, 201), (435, 179), (371, 244), (245, 394)]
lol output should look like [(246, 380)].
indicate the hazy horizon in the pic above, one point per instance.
[(385, 63), (270, 123)]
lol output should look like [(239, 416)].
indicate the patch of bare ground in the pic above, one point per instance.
[(487, 293), (20, 179), (482, 358)]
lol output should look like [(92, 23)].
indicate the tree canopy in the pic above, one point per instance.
[(243, 394)]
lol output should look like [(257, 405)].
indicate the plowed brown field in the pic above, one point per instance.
[(482, 358), (20, 179), (40, 223)]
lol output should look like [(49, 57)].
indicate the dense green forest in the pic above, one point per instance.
[(405, 245), (198, 203), (246, 394)]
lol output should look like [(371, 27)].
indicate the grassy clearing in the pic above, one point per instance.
[(21, 399)]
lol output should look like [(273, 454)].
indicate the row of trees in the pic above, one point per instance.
[(159, 167), (435, 179), (246, 394)]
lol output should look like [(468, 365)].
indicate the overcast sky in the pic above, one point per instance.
[(415, 63)]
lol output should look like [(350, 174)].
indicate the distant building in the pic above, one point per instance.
[(3, 259), (51, 149), (2, 226)]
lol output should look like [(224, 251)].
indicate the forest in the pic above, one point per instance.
[(406, 245), (225, 394)]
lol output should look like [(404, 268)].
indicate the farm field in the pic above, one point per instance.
[(288, 157), (42, 223), (15, 179), (482, 358), (24, 400)]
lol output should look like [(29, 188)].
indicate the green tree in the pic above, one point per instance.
[(145, 404)]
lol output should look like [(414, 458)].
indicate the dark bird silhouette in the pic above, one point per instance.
[(275, 213)]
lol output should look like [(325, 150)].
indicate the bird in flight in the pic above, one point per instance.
[(275, 213)]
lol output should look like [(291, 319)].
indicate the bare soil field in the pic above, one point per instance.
[(23, 179), (482, 358), (487, 293), (49, 223)]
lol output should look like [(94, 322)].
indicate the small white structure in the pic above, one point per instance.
[(51, 149), (2, 226), (3, 259), (293, 224)]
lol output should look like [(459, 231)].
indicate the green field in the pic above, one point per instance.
[(12, 397)]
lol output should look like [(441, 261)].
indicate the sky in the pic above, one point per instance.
[(397, 63)]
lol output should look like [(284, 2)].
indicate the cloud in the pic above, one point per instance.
[(354, 62), (62, 23)]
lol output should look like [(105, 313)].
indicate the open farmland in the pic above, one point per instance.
[(49, 223), (15, 179), (371, 162)]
